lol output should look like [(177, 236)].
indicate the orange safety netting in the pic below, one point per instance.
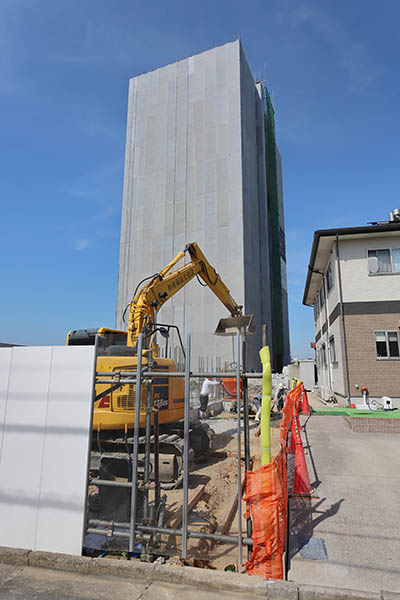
[(266, 498)]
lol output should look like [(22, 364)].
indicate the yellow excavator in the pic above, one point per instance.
[(117, 351)]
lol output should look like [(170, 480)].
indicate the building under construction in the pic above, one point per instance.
[(202, 165)]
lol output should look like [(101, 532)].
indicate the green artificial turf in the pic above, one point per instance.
[(354, 412)]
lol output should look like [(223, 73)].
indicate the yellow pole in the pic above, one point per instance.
[(265, 425)]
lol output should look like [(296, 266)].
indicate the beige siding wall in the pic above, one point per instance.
[(381, 377), (358, 284), (332, 297), (331, 376)]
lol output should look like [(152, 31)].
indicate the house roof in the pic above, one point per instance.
[(321, 248)]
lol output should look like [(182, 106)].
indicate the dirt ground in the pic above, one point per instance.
[(220, 477)]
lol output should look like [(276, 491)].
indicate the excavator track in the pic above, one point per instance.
[(111, 460), (116, 453)]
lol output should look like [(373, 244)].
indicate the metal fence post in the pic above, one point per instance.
[(186, 449), (96, 342), (132, 529), (239, 492)]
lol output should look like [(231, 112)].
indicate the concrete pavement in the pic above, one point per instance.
[(96, 580), (357, 477), (18, 582)]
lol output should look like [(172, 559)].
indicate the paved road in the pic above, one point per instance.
[(43, 584), (358, 515)]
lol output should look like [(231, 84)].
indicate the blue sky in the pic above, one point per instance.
[(331, 67)]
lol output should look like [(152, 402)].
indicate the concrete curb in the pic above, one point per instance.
[(314, 592), (14, 556), (199, 578)]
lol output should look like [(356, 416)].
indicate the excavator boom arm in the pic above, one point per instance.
[(150, 298), (213, 280)]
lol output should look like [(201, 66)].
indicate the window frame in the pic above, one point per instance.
[(390, 250), (331, 340), (330, 271), (386, 332), (324, 359)]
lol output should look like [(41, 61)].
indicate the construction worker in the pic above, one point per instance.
[(205, 391), (257, 405), (279, 397)]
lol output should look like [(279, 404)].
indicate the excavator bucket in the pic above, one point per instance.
[(230, 325)]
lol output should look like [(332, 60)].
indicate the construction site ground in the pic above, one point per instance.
[(215, 481), (219, 475), (346, 537), (350, 535)]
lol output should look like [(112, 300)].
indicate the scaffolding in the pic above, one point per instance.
[(146, 525)]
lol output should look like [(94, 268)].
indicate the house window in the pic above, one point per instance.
[(329, 278), (387, 344), (332, 349), (383, 261), (323, 355)]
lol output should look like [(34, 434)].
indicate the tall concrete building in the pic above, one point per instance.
[(202, 165)]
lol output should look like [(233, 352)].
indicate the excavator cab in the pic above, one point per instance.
[(110, 342)]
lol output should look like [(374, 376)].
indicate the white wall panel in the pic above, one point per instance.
[(5, 361), (23, 438), (44, 453), (65, 451)]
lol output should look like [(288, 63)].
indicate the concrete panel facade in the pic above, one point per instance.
[(195, 171)]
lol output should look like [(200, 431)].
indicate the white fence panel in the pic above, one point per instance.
[(5, 362), (45, 448)]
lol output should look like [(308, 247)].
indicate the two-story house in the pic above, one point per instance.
[(353, 283)]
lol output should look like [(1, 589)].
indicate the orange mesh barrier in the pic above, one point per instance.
[(266, 498)]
